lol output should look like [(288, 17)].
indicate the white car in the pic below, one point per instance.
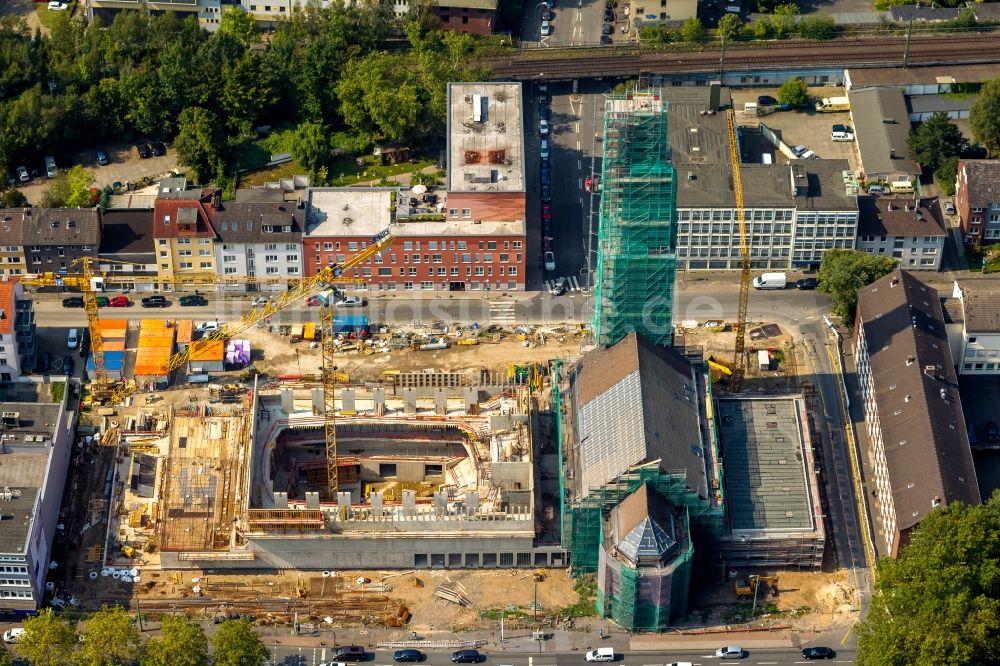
[(545, 149), (543, 127), (55, 6), (350, 302), (259, 301), (729, 652), (13, 635), (209, 326), (23, 175), (808, 155), (949, 207), (878, 189), (550, 261), (546, 29), (559, 287)]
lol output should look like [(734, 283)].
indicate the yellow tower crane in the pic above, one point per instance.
[(740, 361)]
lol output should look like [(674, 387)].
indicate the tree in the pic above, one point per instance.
[(379, 94), (199, 142), (237, 644), (48, 640), (844, 272), (6, 658), (984, 116), (311, 146), (240, 25), (692, 31), (817, 26), (729, 27), (109, 638), (794, 92), (935, 140), (938, 602), (13, 198), (945, 175), (783, 21), (70, 189), (181, 643)]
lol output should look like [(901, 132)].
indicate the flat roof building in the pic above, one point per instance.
[(972, 316), (882, 127)]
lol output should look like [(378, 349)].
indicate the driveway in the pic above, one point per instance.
[(124, 166)]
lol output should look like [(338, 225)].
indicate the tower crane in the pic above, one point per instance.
[(740, 361)]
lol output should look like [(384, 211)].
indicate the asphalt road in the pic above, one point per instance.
[(576, 23), (696, 301), (293, 656)]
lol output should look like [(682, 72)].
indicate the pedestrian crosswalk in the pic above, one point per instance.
[(502, 312), (572, 284)]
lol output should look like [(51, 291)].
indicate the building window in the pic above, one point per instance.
[(206, 264), (293, 258), (230, 270), (271, 270)]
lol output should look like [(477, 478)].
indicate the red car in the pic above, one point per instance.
[(548, 243), (587, 184), (313, 301), (119, 302)]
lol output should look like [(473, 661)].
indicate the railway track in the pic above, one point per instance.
[(555, 64)]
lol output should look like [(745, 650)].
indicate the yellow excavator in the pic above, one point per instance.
[(745, 587)]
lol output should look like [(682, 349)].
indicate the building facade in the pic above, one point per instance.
[(427, 255), (12, 251), (974, 326), (183, 227), (259, 244), (54, 237), (17, 331), (919, 444), (908, 230), (128, 248), (977, 200)]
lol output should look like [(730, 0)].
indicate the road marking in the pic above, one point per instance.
[(578, 145), (579, 165), (576, 128), (580, 181), (579, 16)]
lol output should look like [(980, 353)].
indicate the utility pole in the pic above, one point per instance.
[(906, 46), (722, 58)]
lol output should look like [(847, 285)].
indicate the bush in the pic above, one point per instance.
[(794, 92), (817, 27)]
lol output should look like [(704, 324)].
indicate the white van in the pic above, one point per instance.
[(770, 281), (73, 339), (50, 166), (901, 187), (13, 635), (601, 654)]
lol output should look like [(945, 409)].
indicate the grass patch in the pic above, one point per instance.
[(585, 587), (58, 391), (346, 171), (956, 95)]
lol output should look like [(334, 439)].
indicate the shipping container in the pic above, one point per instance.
[(351, 324)]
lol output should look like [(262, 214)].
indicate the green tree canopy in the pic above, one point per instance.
[(70, 189), (13, 198), (794, 92), (935, 140), (311, 146), (984, 116), (240, 25), (730, 26), (109, 638), (200, 143), (939, 602), (6, 658), (379, 94), (48, 640), (692, 31), (817, 26), (844, 272), (945, 175), (237, 644), (181, 643)]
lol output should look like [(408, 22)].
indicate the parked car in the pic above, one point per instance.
[(729, 652), (808, 154), (410, 655), (588, 183), (544, 112), (313, 301), (547, 243), (878, 189), (102, 157), (544, 149), (465, 657), (73, 302), (56, 6), (543, 127), (13, 635), (23, 175), (158, 149), (818, 652), (193, 299), (143, 150), (46, 362), (67, 365), (259, 301), (157, 301), (51, 170), (841, 133), (546, 177), (766, 100), (73, 338), (992, 432), (605, 39), (208, 326), (350, 302), (949, 207), (546, 29), (102, 301), (807, 283), (609, 15), (119, 302), (549, 259), (607, 29), (547, 14), (559, 287), (546, 193)]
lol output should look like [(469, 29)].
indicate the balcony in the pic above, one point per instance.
[(24, 317)]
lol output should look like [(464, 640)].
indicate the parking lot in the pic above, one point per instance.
[(805, 127), (124, 166)]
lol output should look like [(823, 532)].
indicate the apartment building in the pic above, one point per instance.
[(794, 213), (208, 12), (909, 230), (184, 231), (427, 255), (977, 200), (919, 444), (12, 251), (54, 237), (36, 448), (127, 245), (972, 317), (17, 330), (259, 240)]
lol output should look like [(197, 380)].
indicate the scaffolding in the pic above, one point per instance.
[(636, 238)]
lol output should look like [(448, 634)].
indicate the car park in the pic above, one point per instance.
[(559, 287), (155, 302), (818, 652), (194, 299), (546, 29), (119, 302), (465, 657), (157, 149), (807, 283), (949, 207), (543, 127), (402, 656), (101, 157), (73, 302), (729, 652), (143, 151), (22, 174)]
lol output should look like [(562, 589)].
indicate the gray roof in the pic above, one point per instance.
[(128, 234), (942, 75), (952, 310), (61, 226), (939, 103), (825, 185), (886, 216), (765, 475), (636, 403), (982, 182), (882, 125), (980, 305), (245, 222), (696, 137), (986, 11), (16, 514), (923, 428), (643, 527), (919, 13)]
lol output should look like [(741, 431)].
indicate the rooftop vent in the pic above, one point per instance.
[(10, 418)]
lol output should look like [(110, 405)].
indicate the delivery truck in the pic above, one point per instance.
[(770, 281), (831, 104)]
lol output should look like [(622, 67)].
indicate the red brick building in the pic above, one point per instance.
[(476, 17), (977, 200)]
